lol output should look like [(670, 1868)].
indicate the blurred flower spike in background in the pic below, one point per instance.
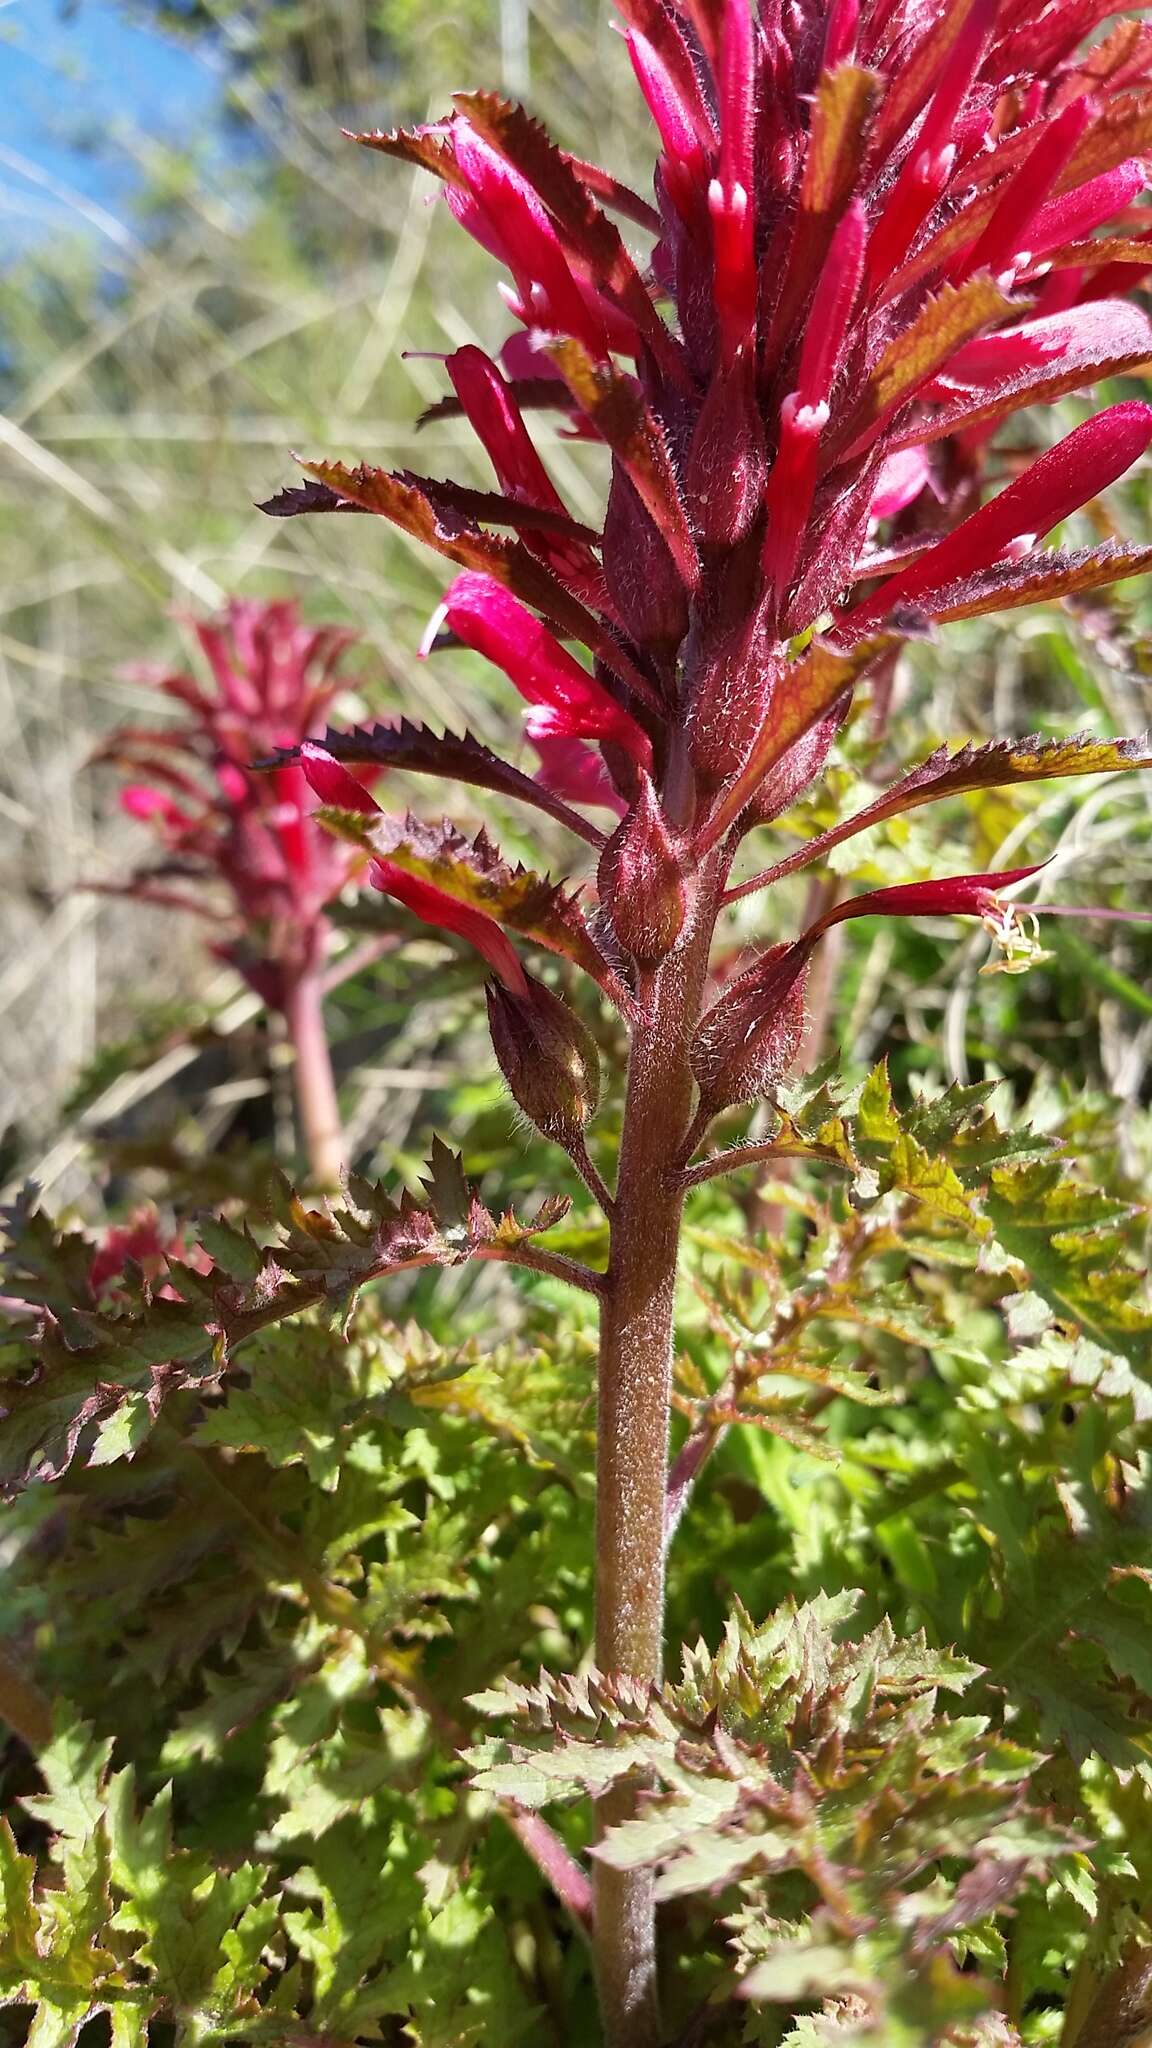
[(241, 849)]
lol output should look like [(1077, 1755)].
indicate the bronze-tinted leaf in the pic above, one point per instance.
[(996, 765), (429, 148), (615, 405), (473, 872), (841, 119), (408, 504), (1101, 339), (1038, 578), (86, 1368), (941, 327), (1120, 131), (807, 692)]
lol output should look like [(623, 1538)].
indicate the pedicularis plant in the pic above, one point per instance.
[(879, 230), (243, 852)]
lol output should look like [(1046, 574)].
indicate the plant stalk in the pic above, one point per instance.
[(636, 1335), (316, 1100)]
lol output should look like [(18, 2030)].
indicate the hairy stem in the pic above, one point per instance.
[(316, 1101), (636, 1328)]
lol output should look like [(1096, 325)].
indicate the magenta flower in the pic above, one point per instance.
[(873, 234)]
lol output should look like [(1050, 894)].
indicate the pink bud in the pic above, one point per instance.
[(668, 81), (751, 1035), (567, 701), (1075, 214), (572, 770), (929, 163), (841, 33), (791, 487), (508, 218), (436, 907), (332, 782), (493, 412), (833, 304), (902, 478), (139, 800), (641, 881), (953, 896)]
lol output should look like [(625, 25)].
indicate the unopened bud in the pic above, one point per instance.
[(547, 1057), (641, 881), (796, 770), (643, 580), (731, 686), (751, 1035), (726, 467)]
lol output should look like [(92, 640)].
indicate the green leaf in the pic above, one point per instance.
[(1066, 1236)]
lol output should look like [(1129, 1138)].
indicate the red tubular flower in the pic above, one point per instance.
[(1058, 483), (567, 703), (436, 907)]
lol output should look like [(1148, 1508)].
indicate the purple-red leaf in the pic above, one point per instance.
[(415, 750), (1065, 477), (1037, 361), (474, 877), (590, 238), (1036, 578), (408, 505)]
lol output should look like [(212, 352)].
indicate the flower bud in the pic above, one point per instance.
[(726, 466), (641, 881), (751, 1035), (731, 689), (643, 581), (798, 769), (547, 1057)]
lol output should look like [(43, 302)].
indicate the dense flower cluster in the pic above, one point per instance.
[(880, 227), (216, 821)]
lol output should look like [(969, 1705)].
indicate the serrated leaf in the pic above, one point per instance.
[(404, 500), (615, 405), (997, 764), (941, 326), (1038, 578), (474, 872), (1062, 353), (1065, 1235), (593, 241)]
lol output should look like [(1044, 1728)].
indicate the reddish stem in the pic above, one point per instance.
[(316, 1099), (636, 1331)]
